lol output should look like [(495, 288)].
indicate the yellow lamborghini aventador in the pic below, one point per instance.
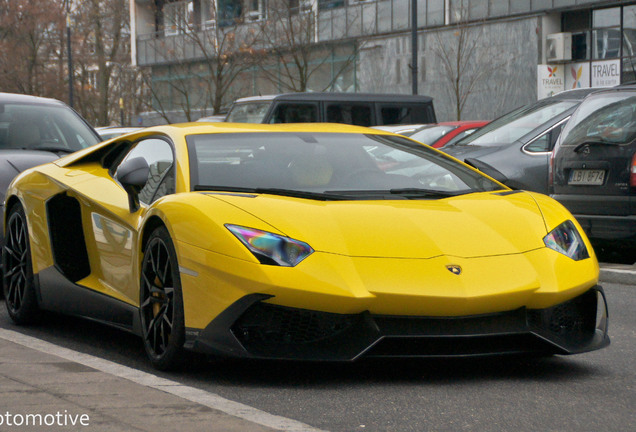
[(317, 242)]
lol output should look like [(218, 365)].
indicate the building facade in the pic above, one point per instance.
[(477, 58)]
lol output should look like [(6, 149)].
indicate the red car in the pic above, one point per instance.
[(439, 134)]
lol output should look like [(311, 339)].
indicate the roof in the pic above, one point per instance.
[(339, 96), (27, 99), (575, 94)]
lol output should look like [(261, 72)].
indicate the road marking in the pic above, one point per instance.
[(201, 397), (619, 270)]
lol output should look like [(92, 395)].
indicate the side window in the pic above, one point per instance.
[(353, 114), (545, 142), (404, 114), (295, 113), (161, 180)]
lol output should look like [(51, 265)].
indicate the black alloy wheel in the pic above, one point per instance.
[(18, 285), (161, 302)]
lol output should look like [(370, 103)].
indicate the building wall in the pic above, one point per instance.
[(510, 35), (503, 63)]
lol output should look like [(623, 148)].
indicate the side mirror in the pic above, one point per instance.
[(133, 175)]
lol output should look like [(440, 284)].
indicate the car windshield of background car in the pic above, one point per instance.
[(460, 136), (514, 125), (607, 118), (252, 112), (429, 135), (43, 127), (344, 165)]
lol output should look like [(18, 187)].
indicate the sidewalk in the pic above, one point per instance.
[(40, 391), (618, 273)]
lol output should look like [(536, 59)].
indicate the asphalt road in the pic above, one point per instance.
[(588, 392)]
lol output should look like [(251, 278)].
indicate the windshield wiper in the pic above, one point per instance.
[(321, 196), (403, 193), (50, 149), (593, 143), (422, 193)]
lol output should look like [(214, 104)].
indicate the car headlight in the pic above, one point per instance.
[(270, 248), (566, 239)]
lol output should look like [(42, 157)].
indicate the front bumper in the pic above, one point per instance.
[(251, 328)]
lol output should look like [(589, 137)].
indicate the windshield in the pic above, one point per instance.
[(605, 119), (248, 112), (514, 125), (430, 134), (337, 165), (43, 127)]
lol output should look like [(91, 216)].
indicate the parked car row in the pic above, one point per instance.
[(436, 134), (289, 223), (515, 149)]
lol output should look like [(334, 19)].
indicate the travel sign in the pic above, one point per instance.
[(550, 80), (606, 73)]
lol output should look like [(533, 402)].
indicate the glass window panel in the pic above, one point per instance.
[(295, 113), (330, 4), (581, 45), (478, 9), (629, 70), (576, 20), (158, 155), (458, 10), (607, 43), (435, 12), (355, 114), (541, 4), (629, 31), (357, 165), (629, 17), (606, 17), (498, 8), (517, 6)]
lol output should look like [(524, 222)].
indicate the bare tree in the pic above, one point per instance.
[(465, 60), (205, 51), (30, 32), (103, 52), (292, 55), (227, 50)]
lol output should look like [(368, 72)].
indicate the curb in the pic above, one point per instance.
[(618, 273)]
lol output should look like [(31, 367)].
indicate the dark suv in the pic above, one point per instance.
[(362, 109), (593, 167)]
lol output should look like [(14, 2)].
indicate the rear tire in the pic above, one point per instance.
[(17, 279), (161, 302)]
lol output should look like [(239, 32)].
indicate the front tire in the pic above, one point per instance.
[(161, 302), (17, 279)]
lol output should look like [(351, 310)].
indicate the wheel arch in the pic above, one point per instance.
[(151, 224), (11, 201)]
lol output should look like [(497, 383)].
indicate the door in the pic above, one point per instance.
[(111, 230)]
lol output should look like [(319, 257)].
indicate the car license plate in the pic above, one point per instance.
[(587, 177)]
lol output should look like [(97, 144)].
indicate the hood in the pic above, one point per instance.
[(13, 162), (474, 225), (22, 160)]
